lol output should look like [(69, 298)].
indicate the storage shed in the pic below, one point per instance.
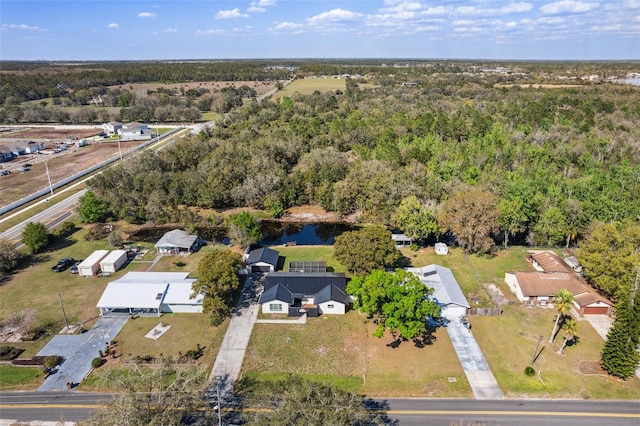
[(113, 261), (441, 249), (91, 265)]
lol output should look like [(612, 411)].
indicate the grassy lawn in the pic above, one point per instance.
[(340, 349), (308, 253), (308, 86), (186, 333), (509, 342), (20, 378)]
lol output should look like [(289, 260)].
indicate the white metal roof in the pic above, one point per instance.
[(94, 258), (148, 290), (114, 256), (446, 289), (122, 295)]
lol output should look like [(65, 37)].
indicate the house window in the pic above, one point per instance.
[(330, 306), (275, 307)]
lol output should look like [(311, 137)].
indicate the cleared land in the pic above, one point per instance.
[(310, 85), (259, 86), (61, 165)]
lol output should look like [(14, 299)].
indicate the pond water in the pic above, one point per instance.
[(323, 233), (273, 233)]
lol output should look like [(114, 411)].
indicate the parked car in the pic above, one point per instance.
[(63, 264), (5, 172), (22, 169), (74, 267)]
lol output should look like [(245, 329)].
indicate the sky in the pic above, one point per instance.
[(255, 29)]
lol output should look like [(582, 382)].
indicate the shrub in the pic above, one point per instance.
[(529, 371), (97, 362), (4, 350), (179, 263), (52, 361)]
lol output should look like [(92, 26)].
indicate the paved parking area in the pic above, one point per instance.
[(78, 350), (479, 375)]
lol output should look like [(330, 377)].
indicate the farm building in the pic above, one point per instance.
[(91, 265), (262, 260), (446, 290), (150, 293), (113, 261), (112, 127), (177, 241), (135, 132), (295, 294)]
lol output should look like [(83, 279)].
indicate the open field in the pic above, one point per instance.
[(20, 378), (310, 85), (340, 349), (509, 342)]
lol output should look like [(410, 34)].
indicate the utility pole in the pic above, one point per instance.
[(533, 359), (46, 165), (119, 149), (219, 406), (66, 322)]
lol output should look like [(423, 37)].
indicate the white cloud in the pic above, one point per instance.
[(260, 6), (21, 27), (427, 28), (147, 15), (288, 26), (256, 9), (335, 15), (438, 10), (402, 6), (170, 30), (516, 8), (230, 14), (113, 25), (462, 22), (511, 24), (209, 32), (567, 6), (520, 7)]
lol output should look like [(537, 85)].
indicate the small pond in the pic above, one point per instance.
[(323, 233)]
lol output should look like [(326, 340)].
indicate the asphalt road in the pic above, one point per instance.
[(76, 406), (50, 217)]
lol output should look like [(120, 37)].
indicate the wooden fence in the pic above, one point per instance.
[(484, 312)]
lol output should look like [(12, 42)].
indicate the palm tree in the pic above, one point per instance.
[(562, 301), (570, 331)]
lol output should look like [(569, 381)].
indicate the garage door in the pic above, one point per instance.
[(595, 310), (260, 269)]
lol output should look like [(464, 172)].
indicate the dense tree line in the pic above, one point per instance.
[(550, 161)]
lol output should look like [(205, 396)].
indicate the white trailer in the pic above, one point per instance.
[(91, 265), (113, 261)]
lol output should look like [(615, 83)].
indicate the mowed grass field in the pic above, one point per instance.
[(310, 85), (341, 349)]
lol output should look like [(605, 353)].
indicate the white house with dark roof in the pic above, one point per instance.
[(446, 290), (177, 241), (151, 293), (112, 127), (298, 293), (263, 260), (135, 131)]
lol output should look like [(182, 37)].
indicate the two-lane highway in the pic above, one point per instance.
[(76, 406)]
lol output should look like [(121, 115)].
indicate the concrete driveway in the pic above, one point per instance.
[(226, 368), (480, 377), (78, 351), (602, 324)]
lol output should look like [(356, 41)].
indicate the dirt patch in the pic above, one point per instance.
[(53, 133), (591, 368), (312, 213)]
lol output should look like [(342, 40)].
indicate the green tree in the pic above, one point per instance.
[(35, 236), (217, 282), (296, 401), (417, 220), (512, 217), (472, 216), (562, 301), (366, 249), (244, 229), (550, 227), (9, 257), (610, 255), (570, 328), (398, 302), (92, 208), (620, 356)]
